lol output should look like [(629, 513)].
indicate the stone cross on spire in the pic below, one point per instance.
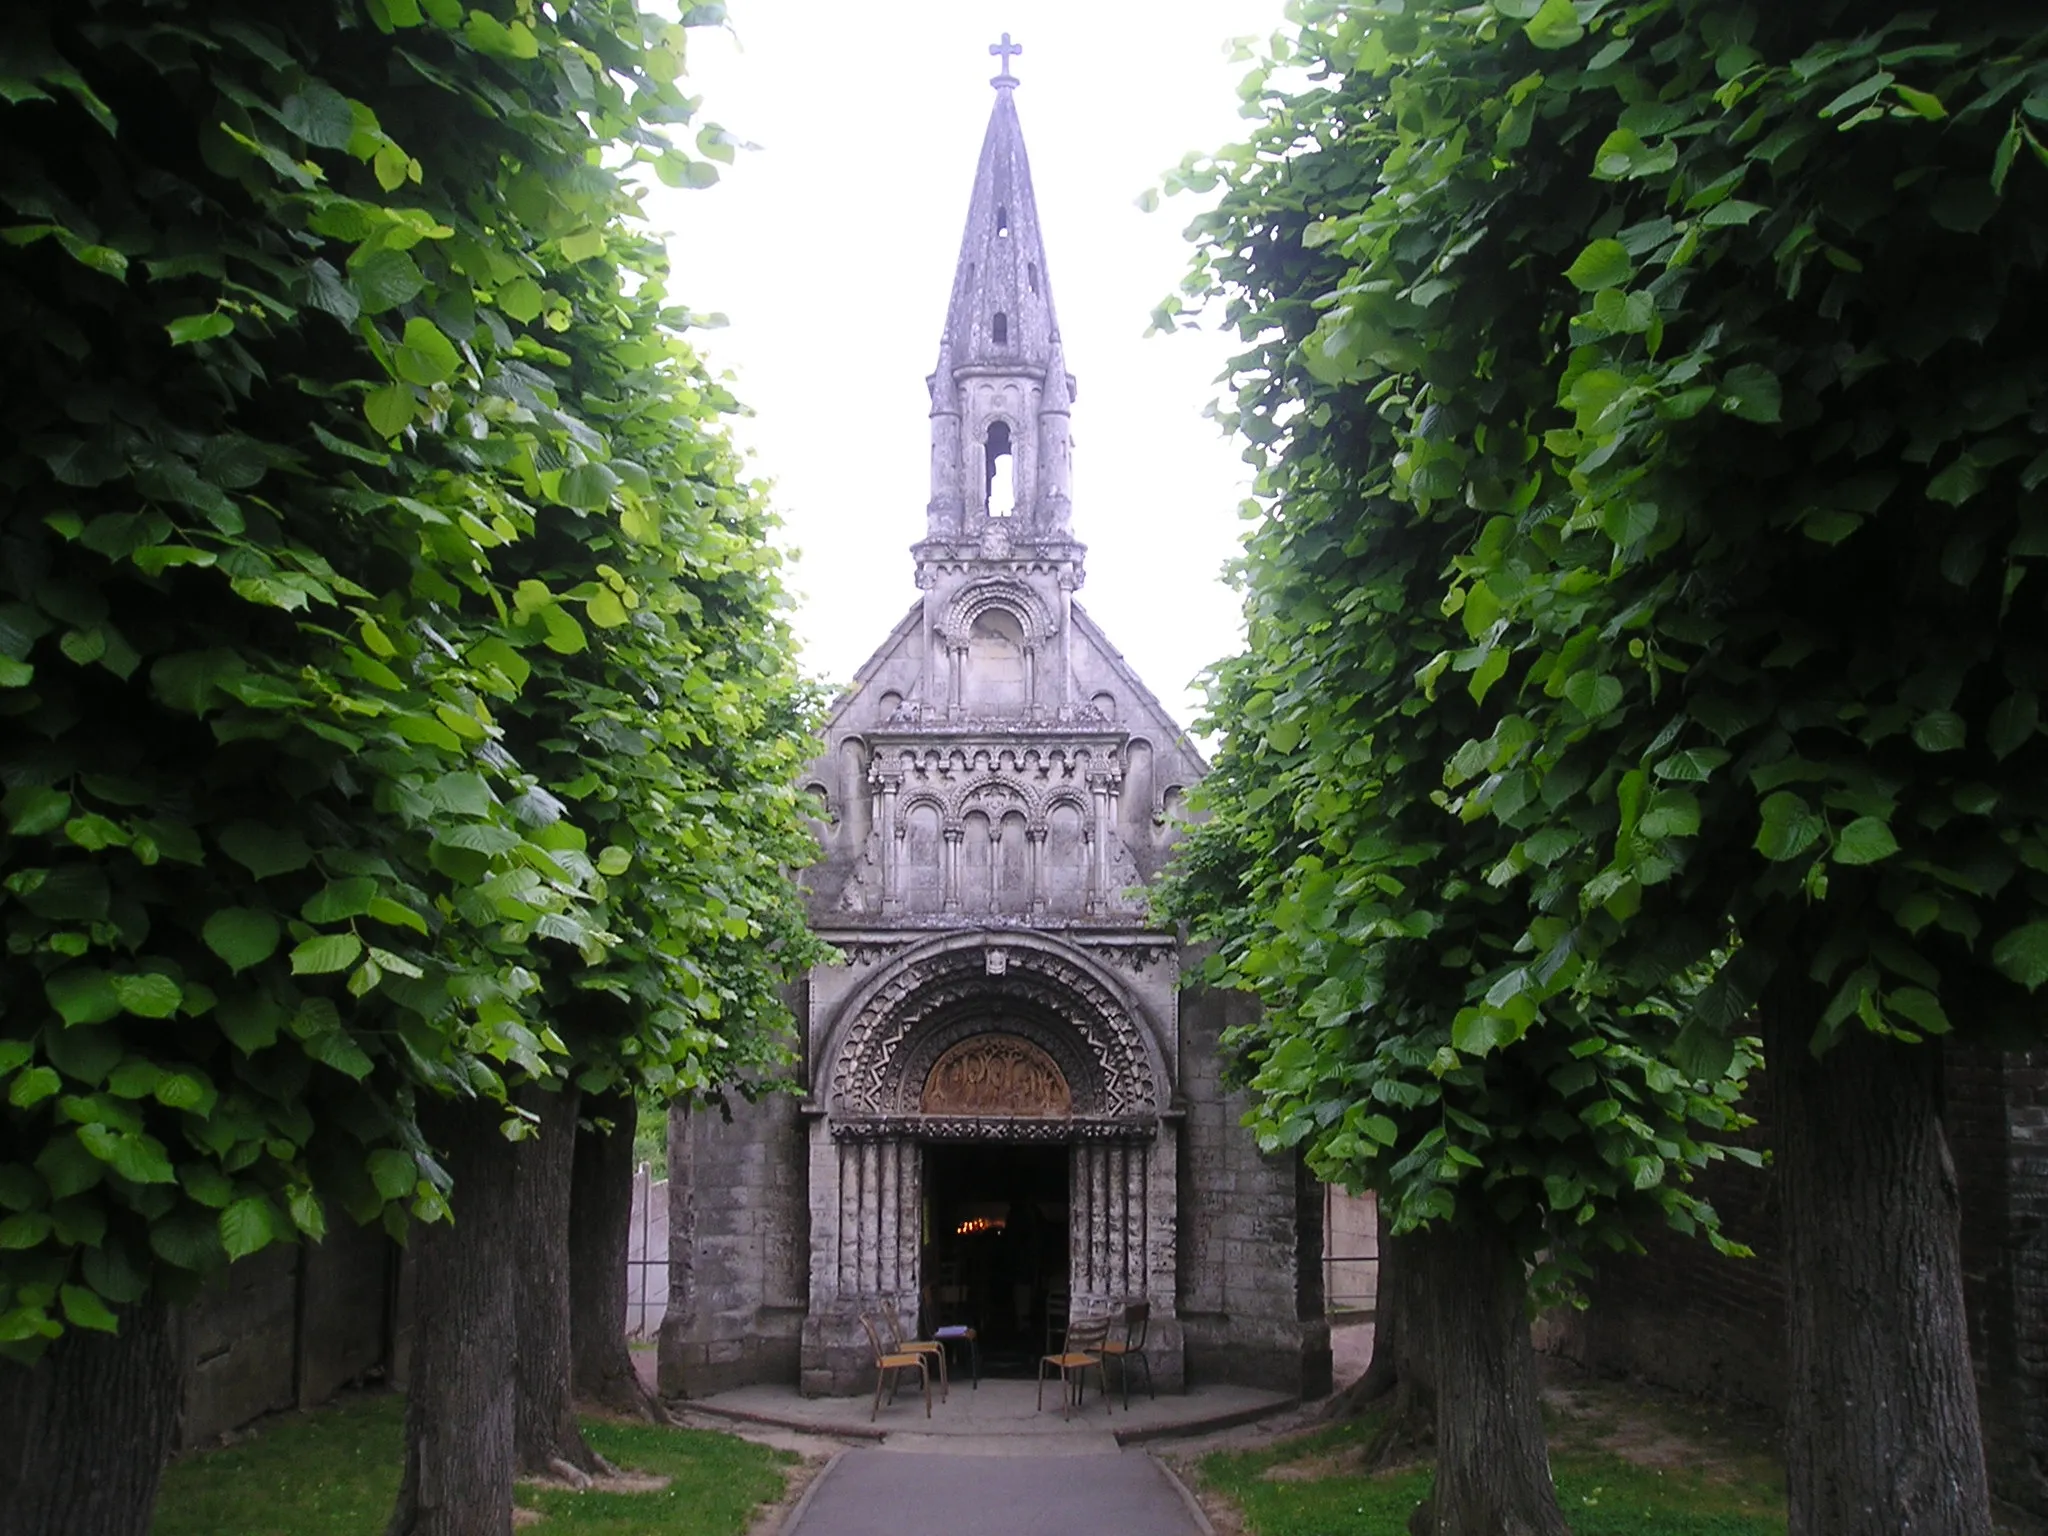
[(1004, 52)]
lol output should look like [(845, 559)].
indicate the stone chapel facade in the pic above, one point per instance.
[(1008, 1105)]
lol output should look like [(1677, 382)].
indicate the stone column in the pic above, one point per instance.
[(1098, 842), (867, 1209), (1034, 856), (1032, 708), (892, 844), (950, 866)]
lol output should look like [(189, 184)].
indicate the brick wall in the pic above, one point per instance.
[(1250, 1229), (1681, 1316)]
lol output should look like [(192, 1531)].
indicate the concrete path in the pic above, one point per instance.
[(1039, 1492)]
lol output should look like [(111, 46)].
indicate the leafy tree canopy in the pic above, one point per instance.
[(397, 696), (1648, 401)]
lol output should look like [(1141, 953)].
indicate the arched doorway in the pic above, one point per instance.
[(989, 1137)]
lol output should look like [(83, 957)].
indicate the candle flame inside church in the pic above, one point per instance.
[(975, 1224)]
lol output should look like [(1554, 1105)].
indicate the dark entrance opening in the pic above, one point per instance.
[(996, 1245)]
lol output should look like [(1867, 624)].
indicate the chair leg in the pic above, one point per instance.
[(1146, 1361), (1041, 1386), (974, 1359), (926, 1372), (876, 1412)]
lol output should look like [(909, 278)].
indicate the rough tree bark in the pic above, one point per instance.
[(600, 1229), (1881, 1428), (459, 1404), (1492, 1461), (1400, 1346), (85, 1432), (546, 1438)]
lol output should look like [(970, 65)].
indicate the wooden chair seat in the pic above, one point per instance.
[(1082, 1349), (1131, 1347), (888, 1362)]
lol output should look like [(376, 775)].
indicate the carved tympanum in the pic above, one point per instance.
[(996, 1075)]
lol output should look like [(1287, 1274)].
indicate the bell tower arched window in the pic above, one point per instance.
[(998, 457), (999, 329)]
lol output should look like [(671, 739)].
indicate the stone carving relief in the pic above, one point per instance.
[(996, 1075), (890, 1047)]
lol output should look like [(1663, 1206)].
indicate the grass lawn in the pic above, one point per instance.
[(1311, 1487), (335, 1473)]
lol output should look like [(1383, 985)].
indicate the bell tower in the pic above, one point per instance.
[(998, 538)]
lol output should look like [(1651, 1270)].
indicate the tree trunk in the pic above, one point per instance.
[(85, 1432), (1492, 1462), (1881, 1429), (545, 1434), (1400, 1345), (459, 1404), (600, 1229)]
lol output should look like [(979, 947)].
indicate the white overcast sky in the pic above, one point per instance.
[(831, 249)]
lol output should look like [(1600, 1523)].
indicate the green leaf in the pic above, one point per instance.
[(613, 861), (1921, 1007), (1789, 828), (393, 1172), (207, 327), (340, 900), (1604, 263), (32, 810), (1957, 483), (242, 936), (2014, 719), (336, 1050), (384, 279), (390, 410), (1555, 25), (604, 609), (424, 356), (33, 1086), (84, 1309), (1597, 694), (148, 995), (326, 953), (1476, 1031), (320, 115), (245, 1227), (2023, 955), (1865, 840), (265, 851), (1752, 392), (82, 996), (587, 487), (521, 299), (1939, 730)]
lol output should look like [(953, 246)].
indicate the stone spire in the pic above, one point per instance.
[(1001, 395), (1002, 314)]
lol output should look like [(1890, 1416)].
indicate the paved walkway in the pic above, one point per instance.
[(997, 1410), (1042, 1492)]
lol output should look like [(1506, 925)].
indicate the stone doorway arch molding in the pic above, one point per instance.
[(1028, 985), (1070, 1021)]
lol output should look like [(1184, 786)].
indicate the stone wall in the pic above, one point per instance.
[(739, 1253), (1251, 1303), (287, 1328), (1683, 1317)]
